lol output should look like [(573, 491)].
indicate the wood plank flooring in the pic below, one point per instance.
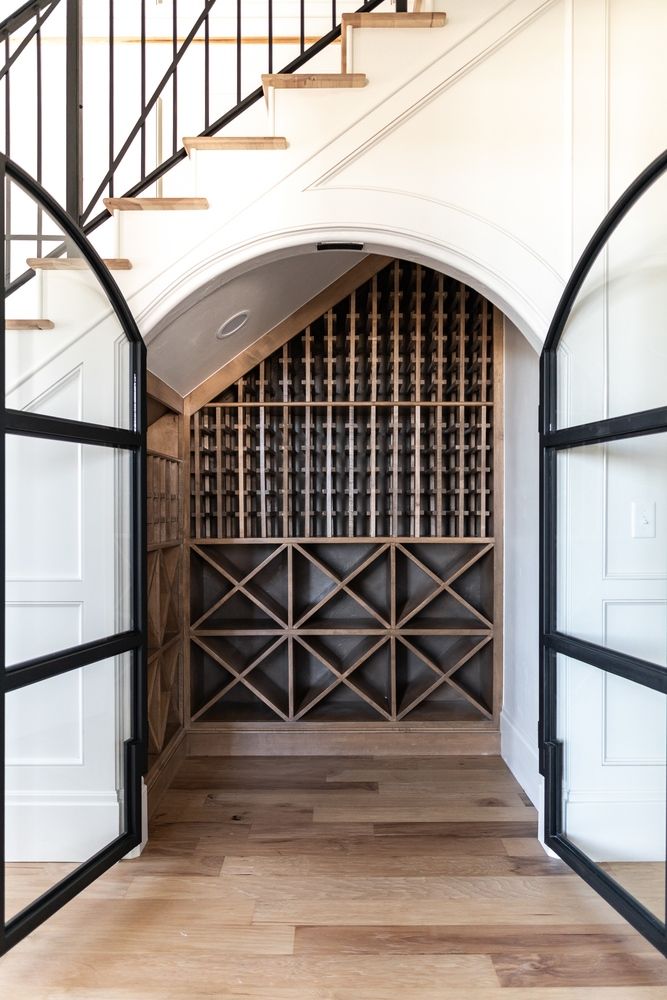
[(335, 879)]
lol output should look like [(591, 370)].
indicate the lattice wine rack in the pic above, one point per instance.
[(164, 570), (343, 510)]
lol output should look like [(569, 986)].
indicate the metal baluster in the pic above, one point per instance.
[(334, 19), (174, 92), (38, 42), (270, 36), (302, 26), (207, 69), (111, 95), (238, 50), (73, 135), (8, 188), (143, 88)]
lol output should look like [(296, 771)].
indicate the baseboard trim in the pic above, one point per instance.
[(163, 771), (522, 758), (431, 743)]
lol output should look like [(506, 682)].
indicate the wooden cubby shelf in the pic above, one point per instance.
[(357, 630), (343, 514)]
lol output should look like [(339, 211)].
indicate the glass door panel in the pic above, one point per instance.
[(604, 560), (612, 545), (613, 734), (65, 775), (68, 551), (72, 505), (612, 353), (67, 351)]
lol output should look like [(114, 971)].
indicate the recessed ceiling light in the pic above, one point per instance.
[(233, 324)]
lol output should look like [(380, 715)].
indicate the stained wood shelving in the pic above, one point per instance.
[(349, 630), (343, 564), (164, 523)]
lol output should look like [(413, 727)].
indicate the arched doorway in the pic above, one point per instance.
[(346, 526)]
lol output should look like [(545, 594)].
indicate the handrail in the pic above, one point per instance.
[(172, 77), (39, 21), (21, 16)]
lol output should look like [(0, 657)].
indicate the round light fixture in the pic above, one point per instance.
[(233, 324)]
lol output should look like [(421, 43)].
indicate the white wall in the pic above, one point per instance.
[(520, 693)]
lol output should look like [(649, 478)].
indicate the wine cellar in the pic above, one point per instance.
[(345, 520)]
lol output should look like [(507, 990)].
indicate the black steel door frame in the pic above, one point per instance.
[(132, 641), (553, 642)]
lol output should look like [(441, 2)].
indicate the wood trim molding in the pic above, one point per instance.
[(155, 204), (29, 324), (75, 264), (233, 142), (164, 393), (163, 772), (391, 742), (284, 331)]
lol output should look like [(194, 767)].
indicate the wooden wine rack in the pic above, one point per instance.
[(163, 479), (350, 631), (344, 512), (164, 532)]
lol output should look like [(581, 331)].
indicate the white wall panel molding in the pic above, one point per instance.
[(35, 627), (633, 718), (633, 471), (28, 356), (30, 729), (52, 393), (462, 59), (79, 823)]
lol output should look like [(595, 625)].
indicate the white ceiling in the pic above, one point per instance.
[(184, 351)]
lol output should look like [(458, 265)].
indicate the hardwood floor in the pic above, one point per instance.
[(336, 879)]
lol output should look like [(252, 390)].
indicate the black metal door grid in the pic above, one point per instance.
[(555, 440), (133, 641)]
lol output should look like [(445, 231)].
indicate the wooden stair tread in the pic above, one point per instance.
[(313, 81), (420, 19), (434, 19), (29, 324), (156, 204), (75, 264), (234, 142)]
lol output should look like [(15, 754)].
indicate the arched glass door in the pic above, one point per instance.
[(604, 560), (72, 454)]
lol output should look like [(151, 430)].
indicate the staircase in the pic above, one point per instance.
[(153, 241)]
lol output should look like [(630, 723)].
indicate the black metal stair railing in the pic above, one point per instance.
[(96, 138)]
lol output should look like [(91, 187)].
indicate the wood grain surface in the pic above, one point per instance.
[(334, 879)]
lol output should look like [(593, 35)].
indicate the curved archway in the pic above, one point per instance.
[(515, 279)]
